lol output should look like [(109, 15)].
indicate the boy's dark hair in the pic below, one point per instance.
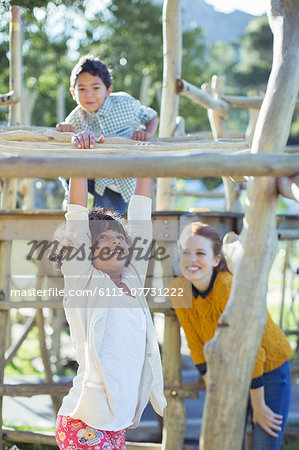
[(92, 65), (100, 219)]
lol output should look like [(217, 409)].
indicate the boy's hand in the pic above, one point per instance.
[(86, 139), (65, 127), (141, 135)]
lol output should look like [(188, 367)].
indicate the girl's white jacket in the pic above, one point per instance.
[(89, 399)]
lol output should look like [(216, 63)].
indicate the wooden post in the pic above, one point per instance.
[(174, 421), (5, 252), (15, 65), (15, 85), (253, 116), (175, 413), (284, 275), (217, 121), (172, 66), (9, 187), (39, 318), (144, 88), (232, 352), (60, 107)]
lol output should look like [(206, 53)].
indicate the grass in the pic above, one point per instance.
[(24, 446)]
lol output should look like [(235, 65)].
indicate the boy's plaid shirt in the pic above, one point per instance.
[(121, 114)]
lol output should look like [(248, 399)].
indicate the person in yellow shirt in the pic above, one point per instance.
[(203, 264)]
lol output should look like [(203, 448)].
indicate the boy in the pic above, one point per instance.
[(101, 112)]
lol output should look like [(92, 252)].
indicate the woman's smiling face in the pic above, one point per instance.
[(197, 260)]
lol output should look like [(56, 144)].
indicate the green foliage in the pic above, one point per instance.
[(31, 4), (127, 36), (130, 42), (21, 363), (255, 56), (45, 67)]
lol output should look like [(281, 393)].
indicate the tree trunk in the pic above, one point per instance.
[(232, 352), (172, 66)]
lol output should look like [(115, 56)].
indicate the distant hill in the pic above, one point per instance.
[(217, 26)]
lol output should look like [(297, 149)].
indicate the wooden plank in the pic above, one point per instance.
[(31, 389), (49, 439), (28, 437), (37, 304), (29, 225), (192, 164)]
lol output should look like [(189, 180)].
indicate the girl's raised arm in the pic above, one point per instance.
[(143, 187), (78, 186), (78, 191)]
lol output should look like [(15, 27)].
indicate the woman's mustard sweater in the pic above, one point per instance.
[(201, 319)]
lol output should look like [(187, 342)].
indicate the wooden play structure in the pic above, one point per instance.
[(273, 169)]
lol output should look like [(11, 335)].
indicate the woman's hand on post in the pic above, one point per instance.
[(267, 419)]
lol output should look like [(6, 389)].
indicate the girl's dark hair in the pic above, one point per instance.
[(100, 219), (205, 230), (92, 65)]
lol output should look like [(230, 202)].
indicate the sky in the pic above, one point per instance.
[(255, 7)]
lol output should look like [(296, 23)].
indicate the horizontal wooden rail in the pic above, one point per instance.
[(179, 164), (202, 97), (203, 194), (28, 437), (188, 390), (287, 234), (31, 389), (250, 102), (221, 104), (12, 142), (36, 304), (291, 332)]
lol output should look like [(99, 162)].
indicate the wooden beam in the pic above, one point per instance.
[(49, 439), (124, 148), (202, 97), (250, 102), (172, 68), (31, 389), (180, 164), (288, 234), (289, 187), (28, 437), (37, 304)]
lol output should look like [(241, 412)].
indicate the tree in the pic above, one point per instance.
[(253, 70), (30, 4), (127, 36)]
